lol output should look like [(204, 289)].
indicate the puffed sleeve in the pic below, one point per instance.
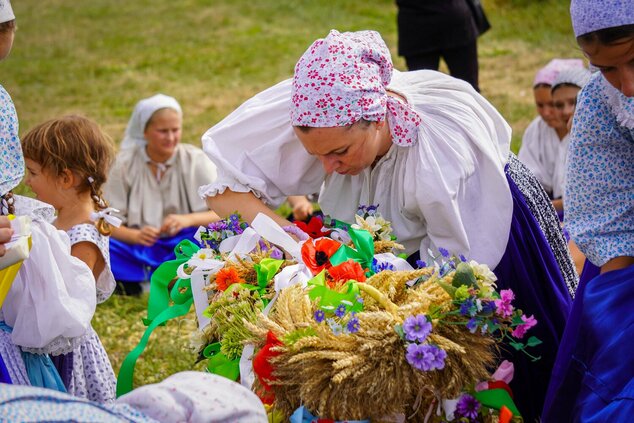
[(117, 187), (255, 149), (600, 178), (455, 180), (52, 299)]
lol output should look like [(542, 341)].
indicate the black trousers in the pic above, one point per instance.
[(462, 62)]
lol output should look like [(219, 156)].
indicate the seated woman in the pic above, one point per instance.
[(425, 147), (153, 185), (543, 138)]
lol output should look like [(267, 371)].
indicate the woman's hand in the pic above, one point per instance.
[(302, 208), (174, 223), (147, 236), (5, 234)]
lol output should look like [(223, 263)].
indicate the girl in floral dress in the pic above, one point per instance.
[(68, 160)]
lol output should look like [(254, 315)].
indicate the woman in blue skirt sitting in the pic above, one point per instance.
[(153, 185)]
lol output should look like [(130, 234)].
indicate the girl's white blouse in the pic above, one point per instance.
[(448, 190), (53, 298)]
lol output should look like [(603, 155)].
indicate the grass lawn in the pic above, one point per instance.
[(99, 57)]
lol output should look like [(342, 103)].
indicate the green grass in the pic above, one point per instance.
[(99, 57)]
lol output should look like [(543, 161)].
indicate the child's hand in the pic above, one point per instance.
[(5, 233), (174, 223), (148, 235)]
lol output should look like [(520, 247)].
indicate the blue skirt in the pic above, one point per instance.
[(136, 263), (530, 269), (593, 377)]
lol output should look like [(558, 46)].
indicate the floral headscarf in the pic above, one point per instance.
[(11, 158), (593, 15), (548, 73), (342, 79)]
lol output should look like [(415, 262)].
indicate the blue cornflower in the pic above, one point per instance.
[(353, 325), (319, 316), (420, 264), (472, 324), (466, 307), (468, 407), (462, 258), (444, 252), (340, 311), (359, 299), (378, 266), (417, 328)]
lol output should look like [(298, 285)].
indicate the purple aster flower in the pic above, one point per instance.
[(425, 357), (319, 316), (467, 407), (420, 264), (444, 252), (340, 311), (438, 362), (417, 328), (353, 325)]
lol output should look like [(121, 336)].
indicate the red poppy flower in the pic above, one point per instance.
[(263, 369), (348, 270), (227, 277), (313, 227), (317, 255)]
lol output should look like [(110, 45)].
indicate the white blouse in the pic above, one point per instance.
[(132, 188), (448, 190), (53, 298), (545, 155)]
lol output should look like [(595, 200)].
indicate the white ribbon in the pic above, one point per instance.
[(397, 262), (105, 215)]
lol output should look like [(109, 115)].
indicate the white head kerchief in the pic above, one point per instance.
[(197, 397), (143, 111), (6, 12)]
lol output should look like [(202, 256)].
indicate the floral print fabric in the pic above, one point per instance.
[(342, 79), (11, 161), (600, 176)]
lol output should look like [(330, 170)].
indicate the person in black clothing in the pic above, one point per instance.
[(429, 29)]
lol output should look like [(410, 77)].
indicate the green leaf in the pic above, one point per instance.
[(448, 288), (517, 345), (399, 330), (463, 276), (533, 341)]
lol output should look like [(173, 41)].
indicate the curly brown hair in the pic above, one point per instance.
[(78, 144)]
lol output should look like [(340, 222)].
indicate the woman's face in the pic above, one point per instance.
[(545, 106), (346, 150), (565, 101), (615, 61), (6, 42), (163, 133)]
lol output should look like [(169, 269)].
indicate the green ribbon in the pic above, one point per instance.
[(363, 253), (265, 270), (219, 364), (330, 299), (159, 310), (496, 398)]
